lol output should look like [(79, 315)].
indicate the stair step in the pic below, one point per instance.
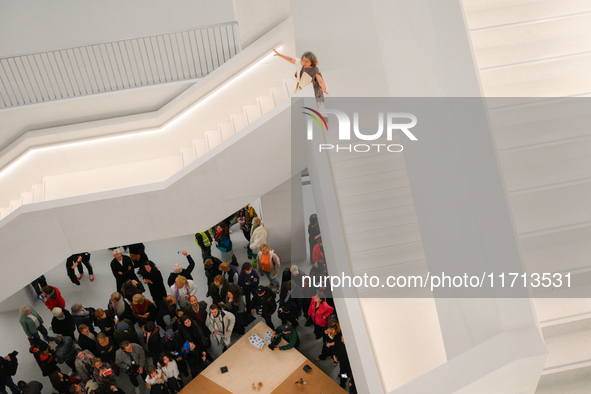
[(26, 198), (481, 14), (376, 239), (213, 138), (102, 179), (37, 192), (187, 156), (551, 209), (547, 165), (533, 41), (238, 121), (379, 219), (361, 204), (14, 204), (570, 385), (570, 247), (226, 130), (540, 79), (288, 86), (568, 353), (278, 95), (372, 183), (265, 104), (4, 212), (251, 113), (200, 147)]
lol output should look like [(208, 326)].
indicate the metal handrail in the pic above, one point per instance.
[(115, 65)]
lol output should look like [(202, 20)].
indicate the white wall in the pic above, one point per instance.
[(255, 18), (279, 207), (19, 120), (35, 25)]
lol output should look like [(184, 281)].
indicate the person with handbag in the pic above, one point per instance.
[(131, 359)]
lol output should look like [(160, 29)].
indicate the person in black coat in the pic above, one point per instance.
[(120, 308), (105, 321), (341, 357), (7, 370), (75, 261), (264, 304), (191, 332), (313, 233), (152, 338), (171, 344), (179, 270), (218, 290), (63, 323), (45, 357), (211, 265), (168, 313), (137, 254), (87, 339), (122, 268), (153, 278), (130, 288), (290, 303)]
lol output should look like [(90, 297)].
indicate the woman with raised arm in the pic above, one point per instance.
[(306, 72)]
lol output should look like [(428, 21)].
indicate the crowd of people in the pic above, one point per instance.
[(165, 333)]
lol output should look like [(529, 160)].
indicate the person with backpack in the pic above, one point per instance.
[(264, 304), (269, 263), (45, 357), (223, 242)]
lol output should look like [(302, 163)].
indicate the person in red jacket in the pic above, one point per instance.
[(52, 298), (319, 312)]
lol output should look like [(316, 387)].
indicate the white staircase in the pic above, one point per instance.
[(148, 171), (531, 49)]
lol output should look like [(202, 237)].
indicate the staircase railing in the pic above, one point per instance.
[(105, 67)]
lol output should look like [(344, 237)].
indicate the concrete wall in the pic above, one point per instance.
[(255, 18), (286, 234), (35, 26)]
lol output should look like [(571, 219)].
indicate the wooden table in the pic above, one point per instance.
[(276, 370)]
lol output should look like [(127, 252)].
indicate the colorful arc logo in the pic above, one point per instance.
[(316, 118)]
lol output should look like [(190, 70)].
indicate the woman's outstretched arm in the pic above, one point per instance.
[(289, 59)]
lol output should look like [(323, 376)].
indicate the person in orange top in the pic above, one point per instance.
[(269, 264)]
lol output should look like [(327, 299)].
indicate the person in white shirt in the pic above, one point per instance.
[(171, 371), (155, 380), (182, 290)]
